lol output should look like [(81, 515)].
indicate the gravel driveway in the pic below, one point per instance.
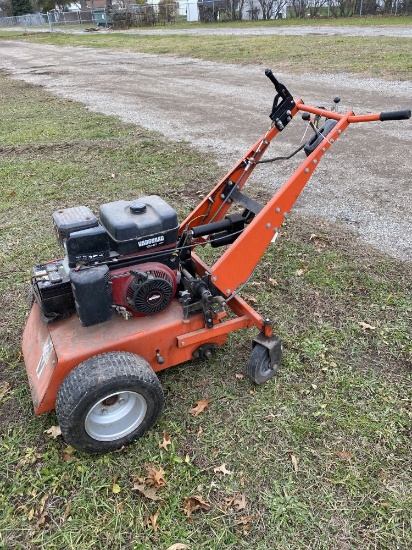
[(363, 182)]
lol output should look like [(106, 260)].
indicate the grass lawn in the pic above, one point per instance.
[(317, 458), (385, 57)]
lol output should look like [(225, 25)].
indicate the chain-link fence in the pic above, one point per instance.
[(29, 20), (205, 11)]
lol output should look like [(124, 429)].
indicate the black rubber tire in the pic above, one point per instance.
[(258, 368), (105, 377)]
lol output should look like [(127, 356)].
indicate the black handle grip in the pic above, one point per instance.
[(271, 77), (395, 115), (280, 88)]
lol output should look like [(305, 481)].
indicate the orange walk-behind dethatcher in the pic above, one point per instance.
[(131, 297)]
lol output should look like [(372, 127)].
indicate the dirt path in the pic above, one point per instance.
[(364, 183)]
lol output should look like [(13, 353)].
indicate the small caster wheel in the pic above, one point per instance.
[(259, 368)]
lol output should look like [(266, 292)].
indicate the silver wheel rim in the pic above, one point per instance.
[(116, 415)]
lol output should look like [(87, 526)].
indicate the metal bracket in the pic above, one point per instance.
[(273, 345)]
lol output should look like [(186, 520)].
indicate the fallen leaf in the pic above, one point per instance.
[(250, 298), (4, 389), (239, 376), (244, 520), (155, 477), (67, 453), (116, 488), (366, 326), (178, 546), (53, 432), (299, 272), (149, 493), (240, 502), (344, 454), (273, 281), (151, 521), (222, 469), (67, 510), (193, 504), (200, 407), (166, 441), (294, 461)]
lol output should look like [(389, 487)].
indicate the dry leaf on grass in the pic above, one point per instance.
[(178, 546), (155, 477), (236, 500), (166, 441), (4, 389), (240, 502), (53, 432), (294, 461), (250, 298), (344, 454), (67, 453), (193, 504), (67, 510), (222, 470), (151, 521), (366, 326), (200, 407), (244, 521), (149, 493)]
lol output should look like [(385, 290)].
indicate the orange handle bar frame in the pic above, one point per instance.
[(238, 262)]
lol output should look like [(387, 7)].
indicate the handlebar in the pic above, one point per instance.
[(395, 115), (283, 92)]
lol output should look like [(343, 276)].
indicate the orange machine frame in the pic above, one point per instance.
[(168, 338)]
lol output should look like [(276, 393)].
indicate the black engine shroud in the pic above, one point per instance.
[(125, 260)]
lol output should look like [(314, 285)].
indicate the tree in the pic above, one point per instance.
[(21, 7), (5, 8), (299, 7), (48, 5), (269, 8)]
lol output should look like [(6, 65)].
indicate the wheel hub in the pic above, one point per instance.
[(115, 416)]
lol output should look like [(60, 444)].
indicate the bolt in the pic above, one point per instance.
[(268, 225), (306, 170), (277, 209), (228, 291), (183, 343), (314, 161), (339, 131), (214, 278)]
